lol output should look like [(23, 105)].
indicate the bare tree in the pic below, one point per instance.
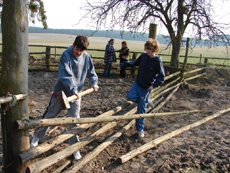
[(174, 15)]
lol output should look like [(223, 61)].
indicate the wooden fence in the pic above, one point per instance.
[(48, 55)]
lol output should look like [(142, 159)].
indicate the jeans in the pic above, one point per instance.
[(53, 109), (108, 67), (136, 94)]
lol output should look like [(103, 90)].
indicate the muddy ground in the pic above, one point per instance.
[(205, 148)]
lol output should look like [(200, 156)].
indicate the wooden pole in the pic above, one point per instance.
[(164, 87), (161, 139), (18, 97), (193, 77), (48, 161), (153, 31), (22, 124), (77, 166), (49, 144), (185, 58), (193, 71), (14, 78), (133, 69), (48, 58)]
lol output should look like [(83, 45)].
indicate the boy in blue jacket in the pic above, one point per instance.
[(75, 65), (150, 75)]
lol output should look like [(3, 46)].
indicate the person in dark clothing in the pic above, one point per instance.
[(109, 58), (150, 75), (124, 56)]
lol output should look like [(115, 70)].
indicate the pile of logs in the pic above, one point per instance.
[(172, 85)]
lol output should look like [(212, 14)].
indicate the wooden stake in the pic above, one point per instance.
[(157, 141), (49, 144), (71, 120)]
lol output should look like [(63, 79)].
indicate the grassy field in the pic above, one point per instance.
[(134, 46)]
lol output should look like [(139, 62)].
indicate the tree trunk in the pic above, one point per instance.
[(176, 41), (14, 78)]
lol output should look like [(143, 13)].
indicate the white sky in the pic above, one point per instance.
[(65, 14)]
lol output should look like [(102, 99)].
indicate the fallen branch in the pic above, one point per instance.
[(70, 120), (157, 141), (193, 71), (49, 144)]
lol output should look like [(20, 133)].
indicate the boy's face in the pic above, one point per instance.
[(77, 52), (149, 52)]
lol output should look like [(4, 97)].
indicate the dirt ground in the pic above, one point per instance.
[(205, 148)]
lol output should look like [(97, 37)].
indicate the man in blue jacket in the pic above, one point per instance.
[(75, 65), (150, 75)]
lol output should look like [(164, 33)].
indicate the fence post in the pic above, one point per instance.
[(200, 58), (205, 64), (185, 58), (48, 58), (133, 69)]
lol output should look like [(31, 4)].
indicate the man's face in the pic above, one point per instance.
[(77, 52)]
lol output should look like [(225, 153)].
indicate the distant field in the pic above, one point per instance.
[(134, 45)]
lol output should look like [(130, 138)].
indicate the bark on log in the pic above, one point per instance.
[(4, 100), (48, 161), (49, 144), (157, 141), (70, 120), (62, 167)]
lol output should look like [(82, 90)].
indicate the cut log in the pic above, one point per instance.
[(70, 120), (157, 141), (193, 71), (9, 99), (48, 161), (49, 144)]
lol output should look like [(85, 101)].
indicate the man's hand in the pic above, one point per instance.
[(95, 87), (78, 96), (150, 88), (118, 68)]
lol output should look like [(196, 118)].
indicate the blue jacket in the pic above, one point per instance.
[(72, 72), (110, 55), (150, 71)]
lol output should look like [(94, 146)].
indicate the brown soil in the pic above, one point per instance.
[(205, 148)]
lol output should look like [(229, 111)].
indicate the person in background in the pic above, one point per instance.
[(109, 58), (75, 65), (124, 56), (150, 75)]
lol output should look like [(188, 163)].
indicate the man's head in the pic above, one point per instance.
[(153, 45), (111, 41), (80, 44)]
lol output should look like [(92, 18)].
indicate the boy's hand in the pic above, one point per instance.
[(118, 68), (150, 88), (78, 96), (95, 87)]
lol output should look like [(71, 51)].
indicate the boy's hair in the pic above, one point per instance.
[(124, 42), (81, 42), (152, 44)]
